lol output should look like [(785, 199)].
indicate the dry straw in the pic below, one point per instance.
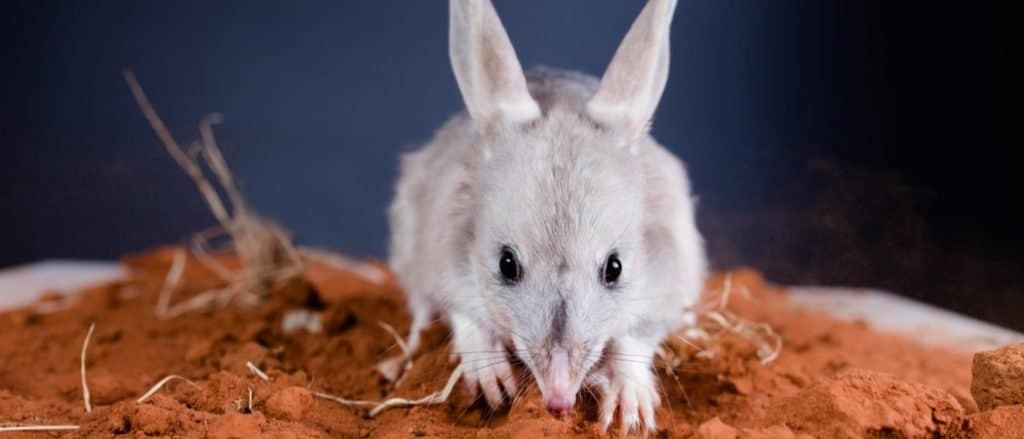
[(160, 384), (714, 321), (265, 249), (439, 397), (13, 428), (85, 385), (256, 371)]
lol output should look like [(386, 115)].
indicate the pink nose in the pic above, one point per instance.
[(559, 399), (559, 405)]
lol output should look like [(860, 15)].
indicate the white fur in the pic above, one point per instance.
[(560, 189)]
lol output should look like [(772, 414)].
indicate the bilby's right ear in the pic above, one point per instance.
[(489, 75)]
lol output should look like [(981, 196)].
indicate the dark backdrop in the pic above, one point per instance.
[(842, 143)]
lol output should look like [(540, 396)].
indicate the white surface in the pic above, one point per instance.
[(23, 284), (885, 311), (922, 322)]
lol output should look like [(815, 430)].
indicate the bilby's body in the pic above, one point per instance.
[(547, 223)]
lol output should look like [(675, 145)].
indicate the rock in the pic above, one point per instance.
[(715, 429), (861, 403), (998, 377), (289, 403)]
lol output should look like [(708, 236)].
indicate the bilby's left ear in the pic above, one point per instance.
[(634, 81)]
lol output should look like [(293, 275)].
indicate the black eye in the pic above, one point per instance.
[(509, 266), (612, 270)]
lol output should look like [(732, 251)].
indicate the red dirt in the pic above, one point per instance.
[(833, 379), (1001, 422)]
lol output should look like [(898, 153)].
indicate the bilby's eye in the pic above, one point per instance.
[(612, 270), (511, 272)]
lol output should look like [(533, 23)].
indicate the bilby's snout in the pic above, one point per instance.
[(560, 396), (559, 406)]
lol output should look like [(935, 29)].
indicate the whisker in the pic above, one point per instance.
[(664, 394), (490, 352), (624, 360), (485, 366), (520, 390), (624, 355), (493, 360)]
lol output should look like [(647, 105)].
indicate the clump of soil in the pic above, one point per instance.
[(999, 377), (858, 402), (832, 379)]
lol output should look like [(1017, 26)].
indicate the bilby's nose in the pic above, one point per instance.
[(559, 400), (559, 405)]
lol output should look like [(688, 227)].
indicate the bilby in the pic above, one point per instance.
[(546, 224)]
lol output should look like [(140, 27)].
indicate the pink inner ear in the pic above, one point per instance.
[(635, 79)]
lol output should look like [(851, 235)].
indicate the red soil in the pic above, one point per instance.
[(833, 379)]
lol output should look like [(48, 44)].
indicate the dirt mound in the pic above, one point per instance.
[(832, 378), (860, 403), (1002, 422)]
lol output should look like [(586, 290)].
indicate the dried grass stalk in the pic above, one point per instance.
[(395, 368), (402, 345), (171, 282), (156, 388), (346, 402), (265, 249), (438, 397), (13, 428), (85, 386), (715, 322), (256, 371)]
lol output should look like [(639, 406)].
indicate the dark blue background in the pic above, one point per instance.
[(321, 97)]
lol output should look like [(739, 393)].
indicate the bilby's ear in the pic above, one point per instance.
[(633, 83), (489, 75)]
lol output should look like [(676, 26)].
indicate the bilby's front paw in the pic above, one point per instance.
[(489, 371), (631, 389), (484, 360)]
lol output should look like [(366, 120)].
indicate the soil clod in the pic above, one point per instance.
[(998, 377)]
